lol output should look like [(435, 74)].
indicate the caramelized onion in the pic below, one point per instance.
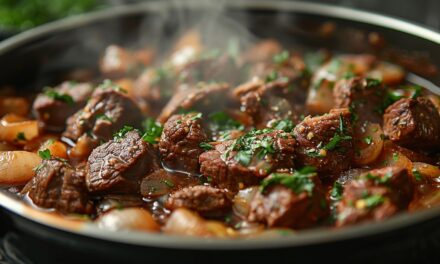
[(17, 167), (128, 219), (242, 201), (18, 131), (368, 143)]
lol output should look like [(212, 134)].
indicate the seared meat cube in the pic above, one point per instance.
[(268, 102), (325, 142), (413, 123), (263, 51), (155, 86), (119, 165), (364, 97), (117, 61), (210, 67), (54, 106), (180, 142), (106, 113), (60, 186), (320, 96), (205, 99), (206, 200), (239, 163), (299, 203), (375, 195)]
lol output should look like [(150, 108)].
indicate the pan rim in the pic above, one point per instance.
[(304, 238)]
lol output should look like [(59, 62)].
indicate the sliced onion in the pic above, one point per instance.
[(17, 167), (128, 219), (427, 170), (11, 131), (185, 222), (14, 105), (392, 157), (320, 98), (369, 143), (390, 74), (242, 200)]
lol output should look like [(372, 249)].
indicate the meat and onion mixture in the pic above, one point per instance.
[(213, 143)]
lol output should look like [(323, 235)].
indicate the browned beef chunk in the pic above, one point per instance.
[(106, 113), (375, 195), (325, 142), (242, 162), (280, 206), (205, 98), (206, 200), (266, 102), (263, 51), (413, 123), (53, 107), (117, 61), (210, 67), (155, 86), (119, 165), (179, 144), (363, 96), (60, 186)]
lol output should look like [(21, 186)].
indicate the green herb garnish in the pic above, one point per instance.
[(52, 93), (374, 200), (417, 175), (298, 182), (206, 146), (121, 133), (281, 57), (152, 130), (44, 154), (21, 136), (336, 192), (284, 124), (368, 140), (104, 117)]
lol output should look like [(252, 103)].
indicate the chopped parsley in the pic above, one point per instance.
[(121, 133), (20, 136), (206, 146), (281, 57), (417, 175), (334, 66), (371, 83), (373, 201), (52, 93), (313, 60), (299, 181), (104, 117), (221, 121), (283, 124), (108, 84), (334, 142), (336, 192), (44, 154), (168, 183), (250, 144), (395, 156), (152, 130), (196, 116), (273, 76), (368, 140), (379, 179)]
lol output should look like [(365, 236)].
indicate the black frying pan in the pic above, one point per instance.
[(45, 55)]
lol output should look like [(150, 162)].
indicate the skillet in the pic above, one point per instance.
[(44, 55)]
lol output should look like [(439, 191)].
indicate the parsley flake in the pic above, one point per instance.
[(44, 154), (52, 93), (299, 181)]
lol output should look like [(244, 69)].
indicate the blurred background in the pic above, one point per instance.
[(19, 15)]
